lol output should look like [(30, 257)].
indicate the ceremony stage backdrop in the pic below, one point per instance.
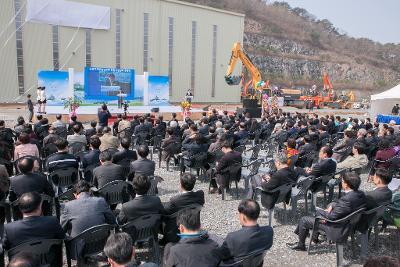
[(101, 85)]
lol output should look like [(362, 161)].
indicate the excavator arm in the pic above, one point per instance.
[(237, 53)]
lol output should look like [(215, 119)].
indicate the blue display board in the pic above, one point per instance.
[(103, 84), (56, 83), (158, 90)]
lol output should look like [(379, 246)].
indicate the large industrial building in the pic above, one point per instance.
[(189, 43)]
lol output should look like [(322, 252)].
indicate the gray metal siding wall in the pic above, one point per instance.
[(37, 42)]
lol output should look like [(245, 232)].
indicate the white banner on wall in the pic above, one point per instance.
[(68, 13)]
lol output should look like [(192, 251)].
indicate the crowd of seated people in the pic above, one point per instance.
[(309, 146)]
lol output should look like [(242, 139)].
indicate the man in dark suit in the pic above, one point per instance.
[(347, 204), (203, 130), (382, 194), (343, 148), (141, 128), (142, 165), (194, 248), (242, 134), (28, 181), (125, 153), (92, 157), (107, 172), (283, 175), (171, 145), (91, 131), (186, 197), (325, 166), (250, 238), (229, 158), (142, 204), (85, 211), (308, 146), (33, 226), (61, 159)]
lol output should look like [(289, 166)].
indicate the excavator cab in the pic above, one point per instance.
[(233, 80)]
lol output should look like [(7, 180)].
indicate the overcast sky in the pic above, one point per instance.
[(377, 20)]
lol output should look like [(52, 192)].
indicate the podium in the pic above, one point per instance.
[(121, 99)]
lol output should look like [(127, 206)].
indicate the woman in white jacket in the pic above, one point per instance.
[(41, 99)]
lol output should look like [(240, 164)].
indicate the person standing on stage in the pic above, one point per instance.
[(30, 107), (395, 110), (189, 96), (103, 116), (120, 98), (41, 98)]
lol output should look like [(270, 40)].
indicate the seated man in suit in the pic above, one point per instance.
[(251, 237), (61, 159), (176, 203), (347, 204), (124, 153), (241, 135), (186, 197), (194, 248), (142, 204), (108, 140), (29, 181), (141, 129), (33, 226), (92, 157), (343, 148), (325, 166), (229, 158), (85, 211), (107, 171), (283, 175), (142, 165), (381, 194), (120, 251), (91, 131), (77, 137), (170, 145)]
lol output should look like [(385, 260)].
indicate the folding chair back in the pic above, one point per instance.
[(88, 243), (64, 177), (254, 259), (115, 192), (49, 251), (76, 147)]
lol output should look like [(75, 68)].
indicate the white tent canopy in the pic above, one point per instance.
[(391, 93), (383, 103)]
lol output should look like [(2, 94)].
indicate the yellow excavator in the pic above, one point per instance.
[(256, 81), (346, 101)]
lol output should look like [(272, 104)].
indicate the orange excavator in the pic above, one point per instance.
[(321, 99), (256, 81)]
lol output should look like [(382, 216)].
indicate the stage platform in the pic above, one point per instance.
[(88, 113)]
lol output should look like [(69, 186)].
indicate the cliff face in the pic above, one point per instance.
[(292, 49)]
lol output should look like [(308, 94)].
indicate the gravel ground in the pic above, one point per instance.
[(220, 217)]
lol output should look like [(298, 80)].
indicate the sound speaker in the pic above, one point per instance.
[(155, 110), (254, 112), (250, 103)]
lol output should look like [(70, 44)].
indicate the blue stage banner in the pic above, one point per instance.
[(103, 84), (56, 83), (158, 90)]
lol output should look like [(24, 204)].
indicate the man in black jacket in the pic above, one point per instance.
[(176, 203), (142, 204), (229, 158), (194, 248), (382, 194), (61, 159), (283, 175), (107, 172), (125, 153), (325, 166), (186, 197), (92, 157), (250, 238), (33, 226), (142, 165), (350, 202), (28, 181)]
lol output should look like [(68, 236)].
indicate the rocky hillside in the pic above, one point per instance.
[(292, 48)]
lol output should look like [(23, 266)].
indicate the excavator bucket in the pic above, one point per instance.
[(233, 80)]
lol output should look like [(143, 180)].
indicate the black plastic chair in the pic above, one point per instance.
[(299, 190), (174, 149), (282, 192), (369, 220), (349, 221), (307, 160), (319, 184), (154, 180), (62, 132), (48, 149), (196, 162), (254, 153), (241, 148), (88, 172), (87, 244), (250, 170), (76, 147), (126, 166), (233, 173), (5, 208), (145, 229), (63, 179), (115, 192), (127, 132), (254, 259), (49, 251), (155, 145)]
